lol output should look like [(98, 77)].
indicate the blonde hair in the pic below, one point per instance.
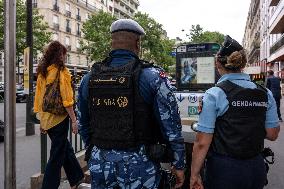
[(236, 61)]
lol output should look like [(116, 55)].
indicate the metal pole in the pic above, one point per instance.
[(10, 97), (30, 128)]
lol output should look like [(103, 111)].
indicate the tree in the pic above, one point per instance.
[(197, 35), (97, 43), (155, 46), (40, 34), (97, 39)]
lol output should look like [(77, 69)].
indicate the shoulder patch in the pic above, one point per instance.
[(162, 74)]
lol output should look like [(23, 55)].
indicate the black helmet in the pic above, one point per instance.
[(229, 46)]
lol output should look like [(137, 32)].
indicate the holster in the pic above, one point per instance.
[(159, 153)]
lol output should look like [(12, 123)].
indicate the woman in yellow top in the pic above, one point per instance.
[(56, 126)]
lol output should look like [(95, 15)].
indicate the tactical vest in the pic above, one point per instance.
[(240, 132), (120, 118)]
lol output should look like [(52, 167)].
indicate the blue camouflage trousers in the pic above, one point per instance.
[(111, 169)]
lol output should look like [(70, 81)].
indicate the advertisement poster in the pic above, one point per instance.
[(188, 70), (26, 70), (205, 70)]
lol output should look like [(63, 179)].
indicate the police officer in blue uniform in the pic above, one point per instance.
[(126, 106), (237, 115)]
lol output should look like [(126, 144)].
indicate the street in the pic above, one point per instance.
[(28, 154)]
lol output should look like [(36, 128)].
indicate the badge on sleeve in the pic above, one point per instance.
[(162, 74)]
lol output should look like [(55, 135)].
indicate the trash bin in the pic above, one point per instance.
[(1, 131)]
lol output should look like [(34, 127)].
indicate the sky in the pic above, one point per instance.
[(225, 16)]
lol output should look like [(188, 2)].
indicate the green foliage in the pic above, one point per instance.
[(97, 39), (97, 43), (155, 46), (40, 34), (197, 35)]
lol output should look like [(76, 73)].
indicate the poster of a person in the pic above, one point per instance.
[(188, 70)]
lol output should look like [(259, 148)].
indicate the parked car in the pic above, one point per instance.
[(21, 96), (1, 131)]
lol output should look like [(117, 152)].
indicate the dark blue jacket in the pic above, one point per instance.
[(156, 90), (273, 84)]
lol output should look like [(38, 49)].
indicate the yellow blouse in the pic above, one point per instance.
[(48, 120)]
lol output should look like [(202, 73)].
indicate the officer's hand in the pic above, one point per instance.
[(74, 127), (179, 177), (196, 182)]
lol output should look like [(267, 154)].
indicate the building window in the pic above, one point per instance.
[(110, 8), (78, 11), (67, 7), (67, 41), (78, 17), (68, 10), (55, 19), (87, 16), (78, 33), (68, 28), (78, 44), (55, 37), (55, 22)]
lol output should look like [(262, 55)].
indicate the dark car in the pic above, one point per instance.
[(21, 96)]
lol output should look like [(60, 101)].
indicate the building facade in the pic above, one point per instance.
[(251, 41), (276, 39), (65, 19)]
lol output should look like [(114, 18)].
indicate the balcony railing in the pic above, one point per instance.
[(78, 33), (56, 26), (88, 5), (56, 8), (68, 47), (78, 17), (276, 13), (68, 29), (68, 14), (34, 5), (276, 46)]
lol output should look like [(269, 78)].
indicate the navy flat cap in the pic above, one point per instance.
[(229, 46), (126, 25)]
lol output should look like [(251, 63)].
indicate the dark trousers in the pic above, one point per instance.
[(61, 154), (277, 99), (223, 172)]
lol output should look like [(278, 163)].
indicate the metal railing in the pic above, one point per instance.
[(68, 14), (56, 8), (276, 46), (78, 17), (75, 140)]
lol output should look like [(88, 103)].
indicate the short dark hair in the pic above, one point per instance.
[(270, 72)]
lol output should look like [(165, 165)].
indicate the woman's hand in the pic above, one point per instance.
[(74, 127), (42, 131), (196, 182)]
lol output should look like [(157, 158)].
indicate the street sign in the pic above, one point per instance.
[(192, 111), (26, 70)]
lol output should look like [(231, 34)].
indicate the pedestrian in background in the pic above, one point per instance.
[(237, 115), (125, 106), (273, 84), (52, 69)]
